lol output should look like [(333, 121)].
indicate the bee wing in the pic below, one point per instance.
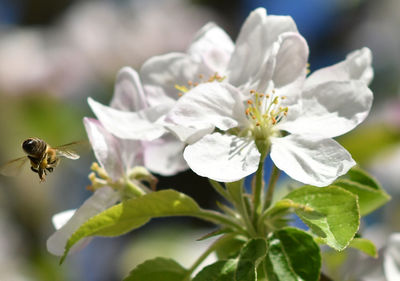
[(68, 150), (13, 167)]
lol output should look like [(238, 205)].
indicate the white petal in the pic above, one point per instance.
[(105, 147), (62, 218), (165, 156), (330, 109), (256, 36), (224, 158), (160, 75), (217, 104), (310, 160), (131, 125), (131, 153), (357, 66), (188, 134), (98, 202), (128, 91), (391, 262), (291, 59), (213, 46)]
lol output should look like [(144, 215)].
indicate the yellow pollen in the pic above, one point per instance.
[(201, 76), (265, 113)]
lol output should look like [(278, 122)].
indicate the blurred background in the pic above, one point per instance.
[(55, 54)]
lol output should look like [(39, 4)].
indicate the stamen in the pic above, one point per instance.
[(265, 110)]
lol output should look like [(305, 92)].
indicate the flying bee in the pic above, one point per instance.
[(43, 158)]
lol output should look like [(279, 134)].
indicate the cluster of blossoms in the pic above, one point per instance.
[(220, 108)]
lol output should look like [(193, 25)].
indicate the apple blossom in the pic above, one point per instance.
[(292, 117), (119, 177)]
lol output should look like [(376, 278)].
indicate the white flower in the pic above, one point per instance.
[(257, 113), (211, 52), (130, 116), (118, 159)]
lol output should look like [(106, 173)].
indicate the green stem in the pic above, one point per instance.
[(218, 218), (271, 186), (242, 208), (258, 190)]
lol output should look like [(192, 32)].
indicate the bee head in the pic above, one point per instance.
[(29, 145)]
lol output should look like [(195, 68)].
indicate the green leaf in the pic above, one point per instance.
[(220, 271), (370, 194), (292, 255), (250, 257), (158, 269), (133, 213), (331, 213), (365, 246), (359, 175)]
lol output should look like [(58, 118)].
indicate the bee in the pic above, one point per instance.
[(43, 158)]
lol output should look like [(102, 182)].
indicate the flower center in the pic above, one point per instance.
[(190, 84), (130, 185), (264, 112)]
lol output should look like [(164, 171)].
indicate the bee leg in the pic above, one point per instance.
[(50, 169), (35, 170)]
